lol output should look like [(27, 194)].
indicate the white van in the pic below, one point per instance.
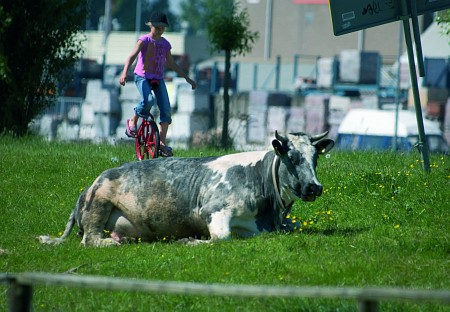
[(365, 129)]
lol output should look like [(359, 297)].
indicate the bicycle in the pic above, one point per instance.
[(147, 139)]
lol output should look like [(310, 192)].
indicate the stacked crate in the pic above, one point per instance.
[(100, 111), (192, 116)]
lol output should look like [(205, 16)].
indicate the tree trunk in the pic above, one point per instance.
[(226, 100)]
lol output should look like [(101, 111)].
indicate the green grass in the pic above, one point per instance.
[(381, 221)]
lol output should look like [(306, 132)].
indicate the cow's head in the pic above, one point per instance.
[(297, 173)]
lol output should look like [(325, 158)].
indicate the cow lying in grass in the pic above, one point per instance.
[(199, 199)]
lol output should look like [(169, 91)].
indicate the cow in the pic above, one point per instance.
[(199, 199)]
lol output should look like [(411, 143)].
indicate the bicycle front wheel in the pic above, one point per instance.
[(152, 144), (147, 140)]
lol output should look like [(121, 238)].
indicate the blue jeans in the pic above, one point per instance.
[(148, 100)]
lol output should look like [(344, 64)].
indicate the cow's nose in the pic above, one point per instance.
[(314, 189)]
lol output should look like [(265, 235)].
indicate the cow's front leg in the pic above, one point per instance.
[(219, 225)]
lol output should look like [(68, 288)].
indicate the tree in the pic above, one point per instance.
[(38, 44), (228, 32), (5, 20), (443, 20), (194, 12), (124, 11)]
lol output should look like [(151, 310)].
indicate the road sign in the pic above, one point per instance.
[(351, 15)]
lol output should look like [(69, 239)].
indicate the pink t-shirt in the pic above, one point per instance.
[(151, 59)]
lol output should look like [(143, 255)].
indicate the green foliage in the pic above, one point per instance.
[(124, 11), (199, 13), (381, 221), (443, 20), (5, 20), (228, 29), (39, 42), (194, 13)]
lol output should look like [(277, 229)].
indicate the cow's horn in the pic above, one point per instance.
[(280, 137), (317, 137)]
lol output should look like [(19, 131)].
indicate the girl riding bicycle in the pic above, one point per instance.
[(152, 51)]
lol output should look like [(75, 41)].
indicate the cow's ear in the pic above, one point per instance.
[(278, 147), (323, 146)]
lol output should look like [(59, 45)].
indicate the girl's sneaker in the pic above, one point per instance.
[(165, 151)]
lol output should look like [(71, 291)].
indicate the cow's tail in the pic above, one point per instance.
[(46, 239)]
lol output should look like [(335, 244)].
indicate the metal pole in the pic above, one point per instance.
[(422, 144), (137, 26), (416, 34), (397, 93), (106, 31), (268, 30), (361, 40)]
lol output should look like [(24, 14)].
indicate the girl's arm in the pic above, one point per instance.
[(171, 63), (129, 61)]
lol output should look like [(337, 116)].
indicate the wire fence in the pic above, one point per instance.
[(20, 288), (66, 108)]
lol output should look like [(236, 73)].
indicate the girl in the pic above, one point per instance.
[(152, 51)]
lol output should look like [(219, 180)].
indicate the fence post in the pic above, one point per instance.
[(295, 70), (255, 76), (215, 86), (277, 72), (19, 296), (366, 305)]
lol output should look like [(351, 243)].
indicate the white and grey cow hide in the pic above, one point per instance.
[(199, 199)]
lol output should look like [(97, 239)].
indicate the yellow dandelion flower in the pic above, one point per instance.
[(396, 226)]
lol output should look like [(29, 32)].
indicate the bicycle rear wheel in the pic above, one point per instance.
[(147, 140)]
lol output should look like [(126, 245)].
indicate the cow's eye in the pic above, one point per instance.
[(294, 158)]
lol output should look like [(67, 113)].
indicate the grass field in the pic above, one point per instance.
[(381, 221)]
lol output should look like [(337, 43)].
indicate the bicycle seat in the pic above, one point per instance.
[(153, 83)]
